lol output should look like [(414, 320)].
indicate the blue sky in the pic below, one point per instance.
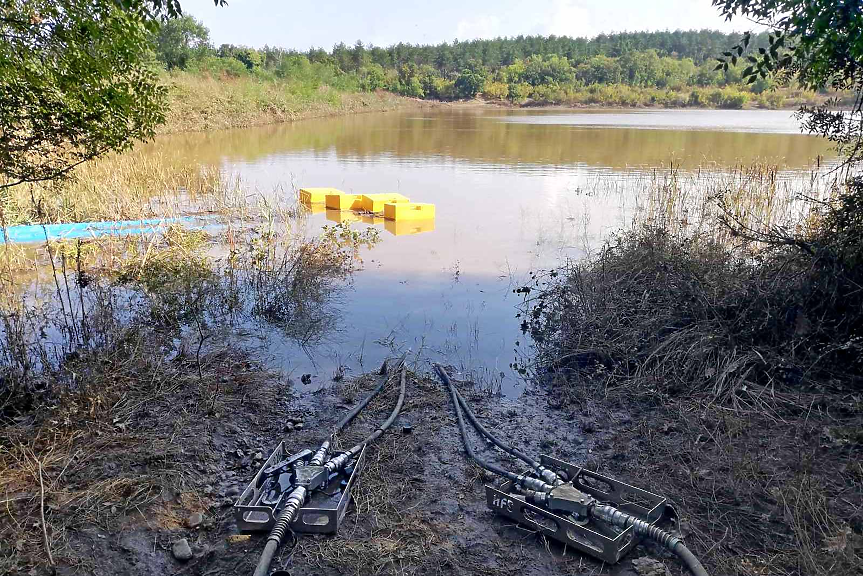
[(323, 23)]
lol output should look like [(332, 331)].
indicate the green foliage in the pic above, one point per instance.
[(181, 40), (75, 82), (518, 92), (495, 90), (218, 67), (817, 42), (372, 78), (470, 81)]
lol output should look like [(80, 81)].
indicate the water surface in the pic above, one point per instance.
[(515, 191)]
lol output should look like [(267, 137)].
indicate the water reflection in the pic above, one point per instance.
[(514, 191), (518, 139)]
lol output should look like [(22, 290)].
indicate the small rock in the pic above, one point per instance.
[(195, 520), (232, 491), (181, 550), (645, 566), (588, 427), (240, 453), (289, 427), (259, 456), (298, 426)]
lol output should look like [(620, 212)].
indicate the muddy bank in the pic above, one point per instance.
[(173, 471)]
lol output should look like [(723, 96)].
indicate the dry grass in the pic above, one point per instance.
[(200, 102), (738, 351), (112, 448), (130, 186)]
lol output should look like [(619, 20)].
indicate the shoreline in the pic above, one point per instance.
[(203, 104)]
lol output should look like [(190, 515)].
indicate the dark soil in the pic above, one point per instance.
[(419, 507)]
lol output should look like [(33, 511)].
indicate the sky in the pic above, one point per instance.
[(324, 23)]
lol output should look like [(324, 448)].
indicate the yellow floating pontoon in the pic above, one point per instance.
[(371, 219), (344, 201), (342, 217), (316, 195), (314, 208), (375, 202), (408, 211), (404, 227)]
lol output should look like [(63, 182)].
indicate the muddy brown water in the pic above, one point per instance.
[(515, 191)]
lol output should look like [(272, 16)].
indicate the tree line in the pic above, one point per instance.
[(545, 69)]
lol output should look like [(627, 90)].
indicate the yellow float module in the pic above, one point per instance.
[(345, 201), (375, 202), (371, 219), (408, 211), (317, 195), (342, 217), (405, 227)]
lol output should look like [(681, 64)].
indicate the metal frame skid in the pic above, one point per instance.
[(260, 504), (583, 532)]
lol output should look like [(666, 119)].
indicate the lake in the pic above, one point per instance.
[(515, 191)]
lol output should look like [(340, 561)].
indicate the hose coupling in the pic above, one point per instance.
[(615, 517), (531, 483), (321, 455), (549, 476)]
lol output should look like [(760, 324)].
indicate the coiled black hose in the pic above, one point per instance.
[(493, 468)]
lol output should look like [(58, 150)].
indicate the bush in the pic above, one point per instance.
[(217, 67), (518, 92), (469, 82), (372, 78), (495, 90), (691, 314)]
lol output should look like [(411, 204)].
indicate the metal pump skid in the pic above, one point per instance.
[(258, 507), (563, 513)]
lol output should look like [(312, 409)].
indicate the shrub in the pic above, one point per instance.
[(518, 92), (495, 90), (216, 67)]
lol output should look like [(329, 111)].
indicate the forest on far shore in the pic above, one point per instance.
[(676, 68)]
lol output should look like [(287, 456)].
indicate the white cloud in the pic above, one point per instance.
[(568, 18), (480, 27)]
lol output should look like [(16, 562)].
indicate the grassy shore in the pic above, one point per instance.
[(733, 347), (201, 102)]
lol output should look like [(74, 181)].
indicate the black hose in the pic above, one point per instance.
[(509, 449), (320, 457), (388, 422), (613, 516), (356, 410), (493, 468)]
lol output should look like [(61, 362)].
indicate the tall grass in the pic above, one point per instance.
[(727, 321), (210, 101), (118, 187)]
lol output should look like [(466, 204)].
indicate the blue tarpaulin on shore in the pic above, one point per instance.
[(41, 232)]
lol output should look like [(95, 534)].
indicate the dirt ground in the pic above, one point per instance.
[(128, 492)]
